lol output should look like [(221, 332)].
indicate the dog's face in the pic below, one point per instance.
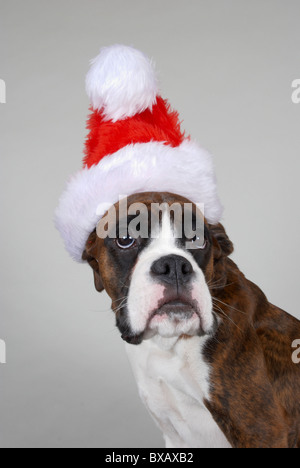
[(160, 283)]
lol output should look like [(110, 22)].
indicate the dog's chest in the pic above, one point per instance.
[(173, 381)]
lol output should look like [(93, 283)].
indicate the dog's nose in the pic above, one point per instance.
[(172, 269)]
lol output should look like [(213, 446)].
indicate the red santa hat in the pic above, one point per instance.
[(135, 144)]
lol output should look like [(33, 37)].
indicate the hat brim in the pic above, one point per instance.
[(186, 170)]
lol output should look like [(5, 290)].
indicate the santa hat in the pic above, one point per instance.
[(135, 144)]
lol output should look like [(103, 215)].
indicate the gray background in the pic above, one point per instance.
[(227, 66)]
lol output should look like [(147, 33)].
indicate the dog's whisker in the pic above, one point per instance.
[(228, 305), (122, 302), (227, 316), (211, 283), (121, 306), (217, 281), (212, 287), (120, 299)]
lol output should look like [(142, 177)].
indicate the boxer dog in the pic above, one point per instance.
[(211, 356)]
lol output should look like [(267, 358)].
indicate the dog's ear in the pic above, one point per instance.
[(90, 255), (221, 242)]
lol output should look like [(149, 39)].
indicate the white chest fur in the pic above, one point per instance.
[(173, 381)]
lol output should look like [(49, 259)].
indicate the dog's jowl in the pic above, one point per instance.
[(215, 362)]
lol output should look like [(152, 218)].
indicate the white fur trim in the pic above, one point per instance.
[(121, 82), (186, 170)]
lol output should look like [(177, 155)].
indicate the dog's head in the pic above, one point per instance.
[(159, 282)]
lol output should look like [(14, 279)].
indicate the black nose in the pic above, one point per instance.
[(172, 269)]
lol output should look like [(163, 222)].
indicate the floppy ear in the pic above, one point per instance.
[(90, 255), (222, 244)]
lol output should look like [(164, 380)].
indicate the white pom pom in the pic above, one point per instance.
[(121, 82)]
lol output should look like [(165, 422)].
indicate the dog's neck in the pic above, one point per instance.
[(174, 383)]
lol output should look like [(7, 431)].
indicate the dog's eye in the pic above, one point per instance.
[(125, 242), (199, 242)]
